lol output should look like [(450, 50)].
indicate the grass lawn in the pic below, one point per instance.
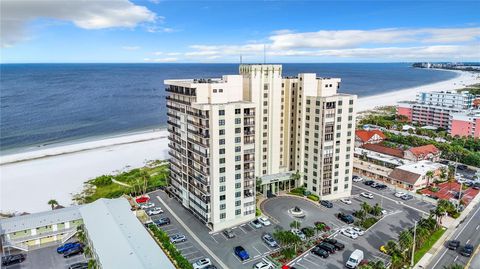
[(428, 244), (148, 178)]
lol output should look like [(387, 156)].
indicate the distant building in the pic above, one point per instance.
[(435, 108), (396, 152), (427, 152), (465, 124), (368, 137), (413, 176), (115, 236)]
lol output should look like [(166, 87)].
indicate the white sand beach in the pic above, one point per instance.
[(30, 179), (391, 98)]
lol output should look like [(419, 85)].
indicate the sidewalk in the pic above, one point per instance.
[(451, 225)]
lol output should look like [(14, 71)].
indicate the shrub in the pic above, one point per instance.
[(368, 222), (313, 197), (170, 248), (298, 191)]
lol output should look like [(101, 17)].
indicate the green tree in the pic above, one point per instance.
[(53, 203), (429, 176), (453, 266), (405, 239), (366, 207), (376, 210), (295, 224), (320, 227), (309, 232)]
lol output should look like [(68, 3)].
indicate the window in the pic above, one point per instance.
[(221, 112), (238, 130), (221, 122), (238, 212), (238, 120), (340, 103), (221, 131), (238, 194), (222, 215), (238, 158), (222, 188), (221, 151), (222, 170), (222, 160), (222, 206), (238, 167), (238, 139), (220, 90), (222, 197), (351, 102), (238, 203), (221, 141), (222, 179), (214, 90), (238, 149), (238, 111), (238, 185)]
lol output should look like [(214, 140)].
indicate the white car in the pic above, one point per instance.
[(202, 263), (147, 205), (178, 238), (349, 233), (384, 212), (264, 221), (399, 194), (154, 211), (357, 179), (263, 265), (358, 231), (367, 195), (346, 201), (299, 233)]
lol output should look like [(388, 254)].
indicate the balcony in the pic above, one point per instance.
[(169, 98), (249, 122), (198, 115), (199, 142), (173, 123), (198, 124), (248, 168), (248, 140)]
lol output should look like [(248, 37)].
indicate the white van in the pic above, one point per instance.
[(355, 258)]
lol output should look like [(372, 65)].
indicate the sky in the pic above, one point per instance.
[(160, 31)]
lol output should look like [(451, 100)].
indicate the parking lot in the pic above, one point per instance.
[(46, 258)]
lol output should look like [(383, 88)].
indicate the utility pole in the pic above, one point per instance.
[(413, 247)]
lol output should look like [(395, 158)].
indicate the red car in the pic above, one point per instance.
[(142, 200)]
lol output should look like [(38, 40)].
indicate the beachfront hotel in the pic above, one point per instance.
[(232, 136), (435, 108)]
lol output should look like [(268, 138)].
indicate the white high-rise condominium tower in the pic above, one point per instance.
[(228, 134)]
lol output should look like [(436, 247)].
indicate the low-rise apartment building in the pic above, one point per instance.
[(465, 124), (228, 134)]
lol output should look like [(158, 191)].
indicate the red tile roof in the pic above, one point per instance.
[(424, 150), (366, 135), (404, 176), (385, 150)]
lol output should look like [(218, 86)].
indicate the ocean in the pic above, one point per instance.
[(45, 104)]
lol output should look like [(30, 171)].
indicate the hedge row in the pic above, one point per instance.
[(170, 248)]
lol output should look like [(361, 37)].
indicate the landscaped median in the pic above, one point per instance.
[(427, 245), (169, 248), (302, 192)]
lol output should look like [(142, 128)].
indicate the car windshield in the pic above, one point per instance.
[(352, 260)]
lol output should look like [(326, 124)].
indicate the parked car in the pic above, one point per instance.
[(356, 179), (178, 238), (349, 233), (211, 266), (355, 259), (381, 187), (367, 195), (345, 218), (346, 201), (374, 185), (453, 244), (79, 265), (61, 249), (320, 252), (335, 243), (268, 239), (476, 185), (462, 167), (241, 253), (383, 249), (263, 265), (326, 203), (368, 182), (299, 233), (407, 197), (264, 221), (202, 263), (13, 259), (141, 200), (327, 228), (229, 233), (255, 223), (154, 211), (467, 250), (73, 251), (147, 205), (162, 221), (358, 231), (327, 247), (399, 194)]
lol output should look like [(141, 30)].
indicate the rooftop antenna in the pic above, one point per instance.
[(264, 54)]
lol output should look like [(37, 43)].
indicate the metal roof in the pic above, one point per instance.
[(46, 218), (119, 239)]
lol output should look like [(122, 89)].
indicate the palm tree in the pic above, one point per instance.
[(405, 239), (319, 227), (53, 203), (439, 212), (429, 176), (366, 207), (295, 177), (377, 210), (295, 224)]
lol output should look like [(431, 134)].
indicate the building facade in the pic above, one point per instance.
[(465, 124), (228, 134), (436, 108)]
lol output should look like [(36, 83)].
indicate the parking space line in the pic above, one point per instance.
[(242, 229), (214, 239), (189, 253), (257, 250)]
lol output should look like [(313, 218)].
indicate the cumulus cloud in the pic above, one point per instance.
[(16, 15), (397, 44)]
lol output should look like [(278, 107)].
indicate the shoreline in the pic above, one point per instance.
[(60, 170)]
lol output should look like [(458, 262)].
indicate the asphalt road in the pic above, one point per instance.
[(467, 232)]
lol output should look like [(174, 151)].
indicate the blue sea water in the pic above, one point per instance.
[(42, 104)]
